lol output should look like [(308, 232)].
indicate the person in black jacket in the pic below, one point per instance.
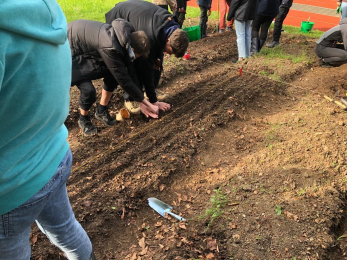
[(331, 48), (106, 51), (244, 12), (267, 11), (284, 10), (164, 34)]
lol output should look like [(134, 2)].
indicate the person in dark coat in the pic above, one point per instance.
[(331, 48), (284, 10), (267, 11), (205, 12), (106, 51), (243, 11), (164, 34)]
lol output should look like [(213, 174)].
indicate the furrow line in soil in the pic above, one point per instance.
[(171, 140)]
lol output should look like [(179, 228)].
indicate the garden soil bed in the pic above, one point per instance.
[(256, 163)]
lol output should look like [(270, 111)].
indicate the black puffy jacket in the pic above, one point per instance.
[(269, 7), (151, 19), (97, 48), (242, 10)]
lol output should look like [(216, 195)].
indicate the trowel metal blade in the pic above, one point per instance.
[(159, 206)]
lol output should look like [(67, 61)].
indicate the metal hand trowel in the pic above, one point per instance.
[(162, 208)]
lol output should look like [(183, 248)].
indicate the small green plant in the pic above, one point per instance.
[(263, 73), (278, 210), (301, 192), (180, 70), (218, 201), (341, 237)]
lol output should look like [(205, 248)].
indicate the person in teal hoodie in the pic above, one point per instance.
[(35, 159)]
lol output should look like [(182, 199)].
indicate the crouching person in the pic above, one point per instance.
[(331, 47), (106, 51)]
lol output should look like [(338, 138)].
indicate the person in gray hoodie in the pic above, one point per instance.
[(331, 48)]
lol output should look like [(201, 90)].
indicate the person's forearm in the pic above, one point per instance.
[(146, 102)]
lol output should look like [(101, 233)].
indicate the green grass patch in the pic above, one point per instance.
[(96, 10), (296, 30), (279, 53)]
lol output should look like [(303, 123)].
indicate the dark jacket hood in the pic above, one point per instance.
[(123, 30)]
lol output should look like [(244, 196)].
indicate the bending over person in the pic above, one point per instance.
[(165, 35), (106, 51), (331, 47)]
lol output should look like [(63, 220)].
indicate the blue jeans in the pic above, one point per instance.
[(343, 10), (243, 33), (51, 209)]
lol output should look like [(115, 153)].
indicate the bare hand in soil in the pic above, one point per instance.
[(149, 110), (162, 106)]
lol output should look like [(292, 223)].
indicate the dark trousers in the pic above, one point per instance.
[(279, 22), (181, 16), (142, 77), (262, 24), (203, 20), (88, 92), (334, 56)]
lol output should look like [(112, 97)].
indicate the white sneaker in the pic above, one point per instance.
[(133, 107)]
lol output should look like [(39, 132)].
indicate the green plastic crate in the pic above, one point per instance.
[(193, 32)]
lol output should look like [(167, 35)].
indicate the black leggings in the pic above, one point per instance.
[(88, 92), (263, 23)]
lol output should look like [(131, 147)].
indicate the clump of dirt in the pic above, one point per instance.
[(250, 153)]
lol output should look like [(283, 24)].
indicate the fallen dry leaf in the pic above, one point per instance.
[(34, 239), (291, 216), (87, 203), (212, 244), (144, 251), (162, 187), (232, 226), (210, 256), (182, 225), (142, 243), (158, 224)]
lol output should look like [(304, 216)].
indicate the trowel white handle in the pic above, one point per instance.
[(175, 216)]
